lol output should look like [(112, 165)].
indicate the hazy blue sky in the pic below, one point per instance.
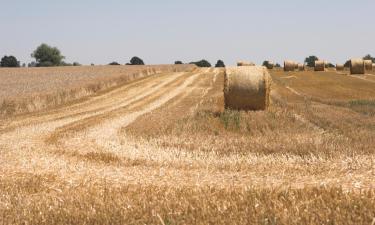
[(163, 31)]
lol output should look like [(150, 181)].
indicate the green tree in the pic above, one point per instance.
[(9, 61), (76, 64), (202, 63), (178, 63), (114, 64), (220, 63), (369, 57), (136, 61), (46, 56), (310, 61), (277, 65)]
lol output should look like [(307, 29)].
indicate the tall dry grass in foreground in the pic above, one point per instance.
[(30, 199)]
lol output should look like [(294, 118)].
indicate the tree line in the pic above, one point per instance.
[(48, 56)]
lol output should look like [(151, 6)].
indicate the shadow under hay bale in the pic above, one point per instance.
[(247, 88)]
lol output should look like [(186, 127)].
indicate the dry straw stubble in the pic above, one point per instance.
[(247, 88)]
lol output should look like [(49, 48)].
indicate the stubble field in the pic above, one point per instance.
[(162, 150)]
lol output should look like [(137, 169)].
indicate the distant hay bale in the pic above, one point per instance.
[(357, 66), (319, 65), (301, 67), (289, 65), (244, 63), (247, 88), (368, 65), (270, 65), (339, 67)]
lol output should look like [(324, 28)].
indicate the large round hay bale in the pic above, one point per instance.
[(357, 66), (289, 65), (247, 88), (368, 65), (301, 67), (244, 63), (339, 67), (319, 65)]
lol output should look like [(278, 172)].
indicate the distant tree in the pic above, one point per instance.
[(63, 63), (114, 64), (267, 64), (202, 63), (277, 65), (23, 64), (220, 63), (9, 61), (92, 64), (76, 64), (347, 63), (178, 63), (369, 57), (330, 65), (136, 61), (32, 64), (310, 61), (46, 56)]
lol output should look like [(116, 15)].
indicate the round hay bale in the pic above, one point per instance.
[(289, 65), (357, 66), (301, 67), (319, 65), (270, 65), (247, 88), (244, 63), (339, 67), (368, 65)]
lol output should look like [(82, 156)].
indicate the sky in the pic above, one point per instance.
[(163, 31)]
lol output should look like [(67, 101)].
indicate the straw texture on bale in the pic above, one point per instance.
[(247, 88), (319, 65), (289, 66), (301, 67), (244, 63), (357, 66), (339, 67), (368, 64)]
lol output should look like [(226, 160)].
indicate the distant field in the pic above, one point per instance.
[(32, 89), (163, 150)]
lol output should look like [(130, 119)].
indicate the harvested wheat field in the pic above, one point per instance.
[(163, 150)]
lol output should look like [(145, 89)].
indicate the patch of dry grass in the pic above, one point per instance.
[(25, 90), (32, 199), (180, 158)]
